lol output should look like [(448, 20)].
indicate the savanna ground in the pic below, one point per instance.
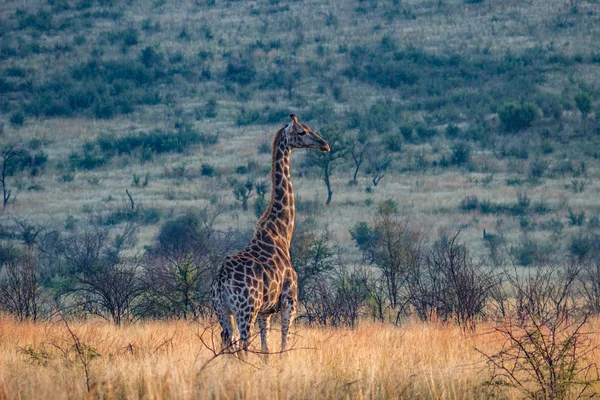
[(167, 360)]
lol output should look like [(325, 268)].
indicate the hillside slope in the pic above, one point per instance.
[(486, 110)]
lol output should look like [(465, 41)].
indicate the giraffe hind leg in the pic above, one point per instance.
[(228, 332), (244, 320), (225, 319)]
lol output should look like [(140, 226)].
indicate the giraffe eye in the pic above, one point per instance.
[(302, 133)]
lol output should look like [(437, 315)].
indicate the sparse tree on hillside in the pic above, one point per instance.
[(339, 148), (243, 191), (379, 160), (9, 156), (358, 150)]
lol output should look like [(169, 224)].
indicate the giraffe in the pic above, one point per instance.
[(260, 281)]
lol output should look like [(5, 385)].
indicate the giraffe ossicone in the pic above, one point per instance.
[(260, 280)]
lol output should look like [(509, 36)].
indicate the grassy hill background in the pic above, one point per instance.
[(481, 113)]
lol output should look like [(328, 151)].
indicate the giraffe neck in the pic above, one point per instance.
[(279, 216)]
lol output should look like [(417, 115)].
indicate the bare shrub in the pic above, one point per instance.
[(25, 266), (337, 299), (20, 289), (450, 284), (546, 352), (586, 252), (103, 280), (397, 252)]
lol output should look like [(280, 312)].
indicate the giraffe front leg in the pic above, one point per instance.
[(288, 313), (264, 321)]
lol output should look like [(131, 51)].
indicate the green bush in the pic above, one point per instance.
[(452, 131), (393, 143), (461, 154), (41, 21), (156, 141), (364, 237), (17, 119), (247, 117), (180, 234), (131, 36), (580, 246), (240, 71), (88, 160), (142, 215), (407, 132), (425, 133), (516, 117), (381, 117), (576, 218), (469, 203), (584, 102), (150, 57), (207, 170), (526, 253), (537, 169)]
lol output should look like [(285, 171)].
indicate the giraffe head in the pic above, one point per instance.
[(301, 136)]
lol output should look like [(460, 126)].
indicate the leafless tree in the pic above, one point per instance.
[(358, 151), (10, 155), (325, 161), (379, 160), (589, 278), (374, 285), (589, 285), (104, 280), (450, 284), (23, 270), (337, 299), (397, 252), (20, 290)]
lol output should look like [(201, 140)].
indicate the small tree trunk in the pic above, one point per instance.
[(328, 184)]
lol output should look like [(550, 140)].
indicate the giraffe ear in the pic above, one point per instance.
[(294, 118)]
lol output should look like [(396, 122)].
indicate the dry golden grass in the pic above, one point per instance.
[(159, 360)]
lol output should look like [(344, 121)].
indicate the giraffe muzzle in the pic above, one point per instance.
[(325, 147)]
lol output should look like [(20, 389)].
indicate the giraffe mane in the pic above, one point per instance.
[(273, 154)]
